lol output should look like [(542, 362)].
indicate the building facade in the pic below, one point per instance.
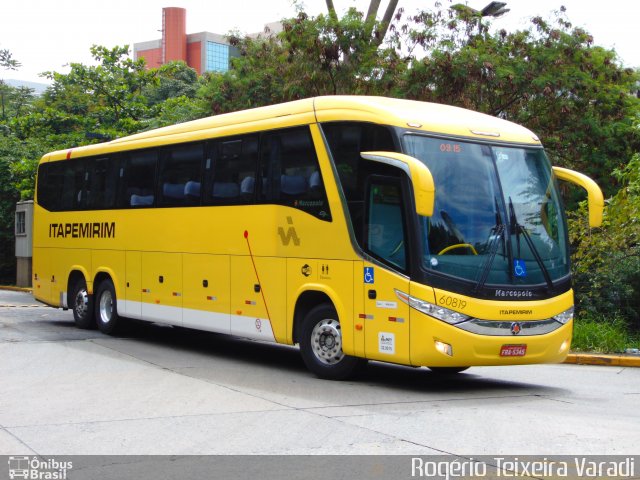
[(24, 242), (204, 51)]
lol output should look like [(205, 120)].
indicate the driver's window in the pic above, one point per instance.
[(385, 235)]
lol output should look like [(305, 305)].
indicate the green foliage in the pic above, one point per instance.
[(7, 208), (603, 335), (607, 260), (105, 98), (174, 79), (15, 156), (323, 55), (550, 77), (176, 110), (7, 61)]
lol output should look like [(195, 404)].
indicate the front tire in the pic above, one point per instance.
[(82, 305), (321, 345), (106, 308)]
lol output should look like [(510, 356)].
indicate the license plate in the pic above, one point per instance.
[(513, 351)]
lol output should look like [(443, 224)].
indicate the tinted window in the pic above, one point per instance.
[(234, 170), (137, 177), (346, 141), (385, 237), (61, 185), (102, 181), (290, 174), (180, 175), (74, 196), (50, 184)]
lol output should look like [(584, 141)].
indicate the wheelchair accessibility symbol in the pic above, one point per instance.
[(368, 275), (519, 268)]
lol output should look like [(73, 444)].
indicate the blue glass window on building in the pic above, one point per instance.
[(217, 57)]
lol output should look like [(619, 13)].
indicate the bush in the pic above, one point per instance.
[(606, 261), (603, 335)]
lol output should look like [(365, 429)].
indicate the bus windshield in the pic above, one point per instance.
[(497, 218)]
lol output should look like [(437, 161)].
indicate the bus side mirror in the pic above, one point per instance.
[(594, 194), (424, 190)]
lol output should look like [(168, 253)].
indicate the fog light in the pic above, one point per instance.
[(565, 345), (444, 348)]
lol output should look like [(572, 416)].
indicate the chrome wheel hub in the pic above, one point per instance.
[(81, 303), (326, 341), (106, 307)]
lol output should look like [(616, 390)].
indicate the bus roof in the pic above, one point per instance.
[(428, 117)]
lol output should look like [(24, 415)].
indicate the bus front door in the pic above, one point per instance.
[(386, 321)]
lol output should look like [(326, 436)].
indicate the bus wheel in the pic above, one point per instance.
[(447, 370), (107, 316), (321, 345), (82, 305)]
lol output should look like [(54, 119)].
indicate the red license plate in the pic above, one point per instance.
[(513, 350)]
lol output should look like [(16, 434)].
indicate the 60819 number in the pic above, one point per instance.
[(453, 302)]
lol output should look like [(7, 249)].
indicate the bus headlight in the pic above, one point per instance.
[(565, 316), (441, 313)]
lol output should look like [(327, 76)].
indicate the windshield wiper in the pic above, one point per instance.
[(518, 229), (497, 234)]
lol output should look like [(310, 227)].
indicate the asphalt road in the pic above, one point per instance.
[(167, 391)]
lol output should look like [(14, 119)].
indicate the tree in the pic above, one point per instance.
[(550, 77), (174, 79), (106, 98), (8, 63), (374, 5), (322, 55), (607, 260)]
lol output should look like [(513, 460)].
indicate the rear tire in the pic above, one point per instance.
[(81, 303), (321, 345), (106, 308)]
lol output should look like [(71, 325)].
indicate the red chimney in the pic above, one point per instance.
[(174, 34)]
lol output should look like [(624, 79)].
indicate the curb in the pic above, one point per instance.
[(16, 289), (603, 360)]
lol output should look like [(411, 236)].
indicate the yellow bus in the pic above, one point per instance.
[(360, 228)]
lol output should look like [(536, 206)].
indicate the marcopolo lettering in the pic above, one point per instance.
[(83, 230), (514, 293)]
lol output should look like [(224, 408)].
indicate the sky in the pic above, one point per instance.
[(46, 35)]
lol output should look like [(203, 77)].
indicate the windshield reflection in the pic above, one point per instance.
[(496, 210)]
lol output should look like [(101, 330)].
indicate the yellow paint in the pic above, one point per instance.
[(424, 189), (594, 194), (199, 259)]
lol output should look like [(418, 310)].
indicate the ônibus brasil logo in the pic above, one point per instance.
[(36, 468)]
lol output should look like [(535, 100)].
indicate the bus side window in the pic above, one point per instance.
[(137, 179), (234, 172), (346, 141), (50, 185), (385, 235), (181, 175), (290, 173), (73, 190), (102, 182)]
